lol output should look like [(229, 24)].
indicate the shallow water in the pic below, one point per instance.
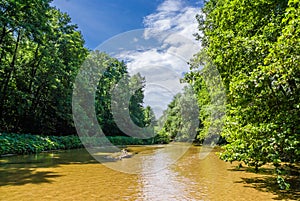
[(75, 175)]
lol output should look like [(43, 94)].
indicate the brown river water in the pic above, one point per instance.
[(75, 175)]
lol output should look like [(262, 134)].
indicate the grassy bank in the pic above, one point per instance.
[(28, 144)]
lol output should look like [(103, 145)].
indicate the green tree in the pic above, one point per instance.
[(254, 47), (118, 98), (40, 53), (150, 118), (114, 72), (211, 98), (180, 121), (136, 108)]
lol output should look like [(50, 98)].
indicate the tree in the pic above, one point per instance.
[(40, 53), (118, 98), (211, 98), (150, 118), (180, 121), (254, 47)]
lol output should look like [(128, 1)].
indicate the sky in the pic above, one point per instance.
[(99, 20), (154, 37)]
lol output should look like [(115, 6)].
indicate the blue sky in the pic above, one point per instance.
[(159, 51), (99, 20)]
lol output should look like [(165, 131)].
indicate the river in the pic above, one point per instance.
[(75, 175)]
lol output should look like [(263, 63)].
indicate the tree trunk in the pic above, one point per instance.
[(9, 74)]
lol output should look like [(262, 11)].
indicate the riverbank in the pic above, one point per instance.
[(19, 144)]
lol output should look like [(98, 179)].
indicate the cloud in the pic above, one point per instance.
[(162, 71), (170, 6), (174, 16), (179, 23), (161, 51)]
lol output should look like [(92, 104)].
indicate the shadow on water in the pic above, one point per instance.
[(25, 176), (25, 169), (266, 182), (40, 168)]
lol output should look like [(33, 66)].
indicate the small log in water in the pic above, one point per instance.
[(120, 155)]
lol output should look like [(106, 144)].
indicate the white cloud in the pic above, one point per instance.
[(173, 25), (170, 6), (162, 72), (173, 16)]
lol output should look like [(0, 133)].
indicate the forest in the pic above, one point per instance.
[(254, 46)]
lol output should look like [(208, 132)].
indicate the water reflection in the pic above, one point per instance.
[(158, 157), (159, 181)]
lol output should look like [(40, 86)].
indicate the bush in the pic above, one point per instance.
[(27, 144)]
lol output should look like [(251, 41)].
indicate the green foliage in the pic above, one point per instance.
[(172, 119), (116, 140), (162, 138), (210, 94), (118, 98), (28, 144), (179, 122), (255, 47), (150, 118), (40, 53), (114, 72)]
